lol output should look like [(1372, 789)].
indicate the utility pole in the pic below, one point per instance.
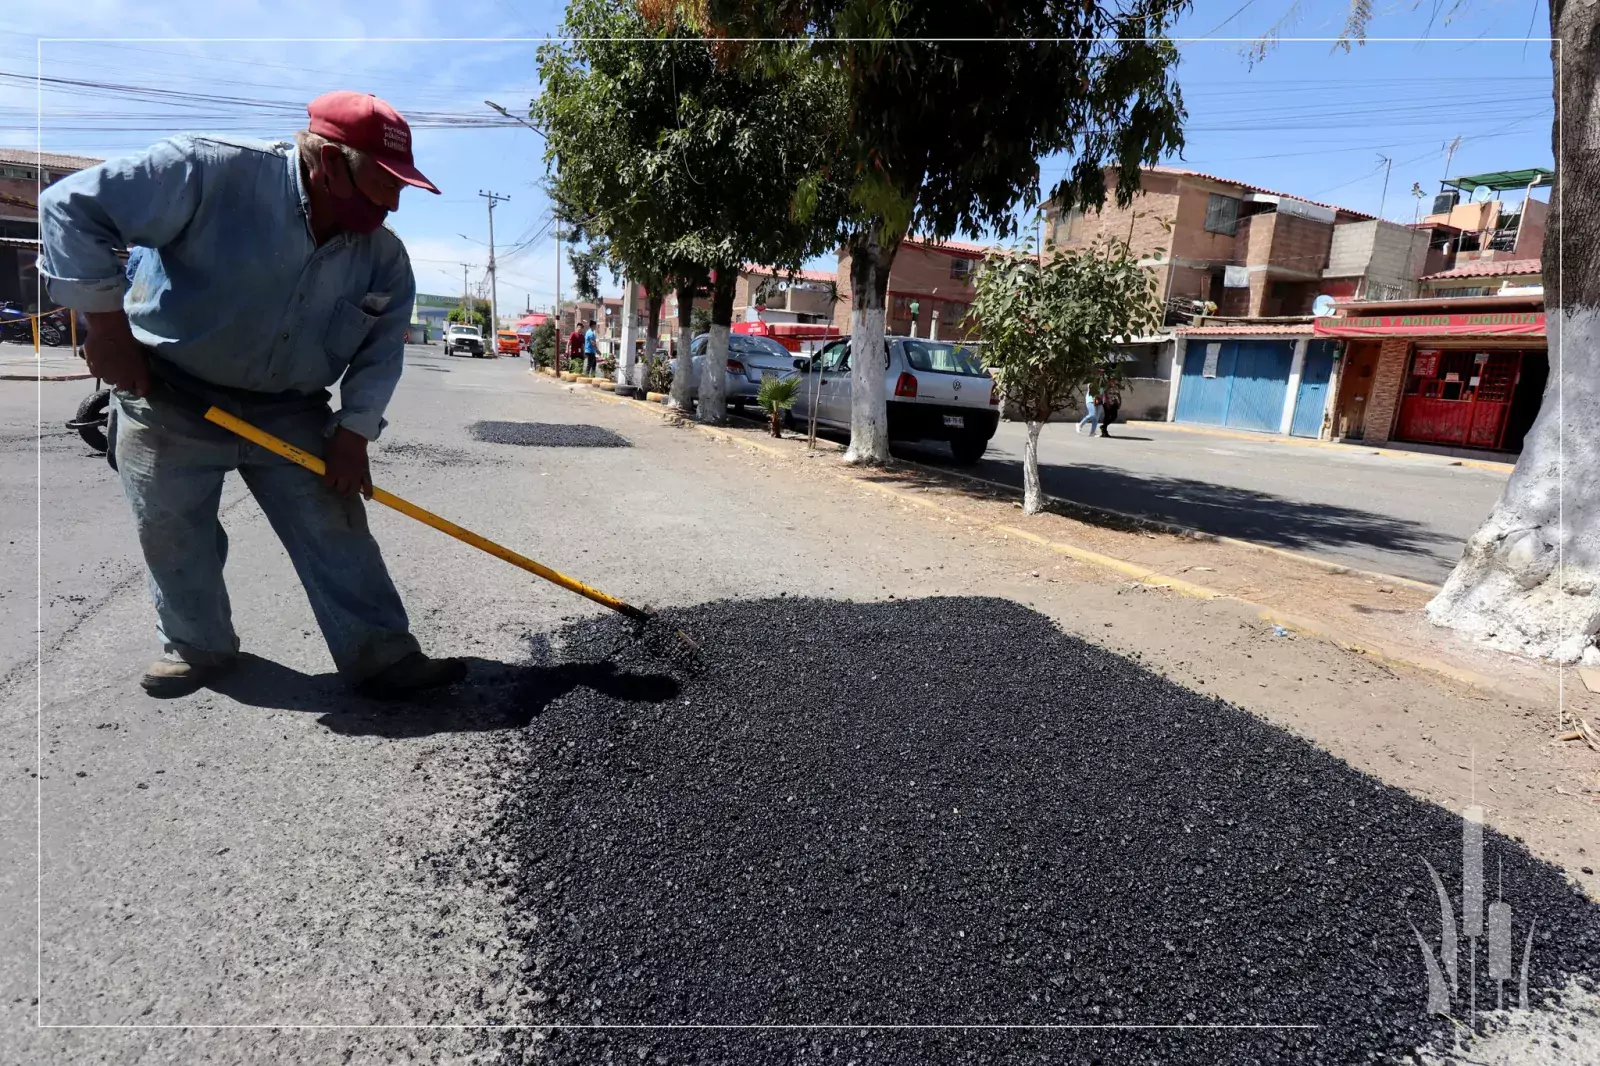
[(494, 287), (1388, 164), (466, 298)]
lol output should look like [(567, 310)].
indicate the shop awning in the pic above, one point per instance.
[(1488, 324)]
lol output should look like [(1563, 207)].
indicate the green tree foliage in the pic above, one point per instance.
[(683, 162), (944, 136), (1048, 324), (542, 345), (477, 315)]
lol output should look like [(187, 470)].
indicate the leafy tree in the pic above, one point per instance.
[(1048, 323), (945, 130), (686, 163), (477, 315), (542, 345), (1529, 577)]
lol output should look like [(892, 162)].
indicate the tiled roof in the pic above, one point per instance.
[(28, 157), (1253, 188), (1489, 269), (1247, 329), (802, 275), (961, 247)]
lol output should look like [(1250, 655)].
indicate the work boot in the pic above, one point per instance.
[(170, 676), (411, 674)]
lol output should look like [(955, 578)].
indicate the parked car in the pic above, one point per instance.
[(461, 337), (507, 342), (749, 360), (936, 390)]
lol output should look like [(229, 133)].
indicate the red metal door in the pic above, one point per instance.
[(1458, 397)]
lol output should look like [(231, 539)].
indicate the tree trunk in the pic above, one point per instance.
[(652, 338), (682, 378), (714, 372), (1529, 578), (1032, 493), (870, 261)]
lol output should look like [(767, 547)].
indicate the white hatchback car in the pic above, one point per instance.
[(936, 390)]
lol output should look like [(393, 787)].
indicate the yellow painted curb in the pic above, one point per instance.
[(605, 386), (656, 397), (567, 375)]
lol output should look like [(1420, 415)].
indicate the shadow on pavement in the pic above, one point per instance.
[(495, 696), (1224, 510)]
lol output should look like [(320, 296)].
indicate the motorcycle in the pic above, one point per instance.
[(16, 326)]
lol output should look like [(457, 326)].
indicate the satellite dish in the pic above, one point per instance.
[(1482, 194), (1322, 307)]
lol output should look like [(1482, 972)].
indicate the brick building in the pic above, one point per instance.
[(1486, 278), (1464, 372), (769, 295), (22, 172), (1249, 251), (1494, 217), (935, 275)]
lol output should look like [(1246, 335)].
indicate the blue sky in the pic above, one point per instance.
[(1308, 120)]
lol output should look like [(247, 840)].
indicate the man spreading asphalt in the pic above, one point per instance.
[(259, 275)]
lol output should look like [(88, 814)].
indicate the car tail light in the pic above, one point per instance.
[(906, 386), (735, 367)]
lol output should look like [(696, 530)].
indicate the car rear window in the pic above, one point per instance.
[(939, 358), (746, 344)]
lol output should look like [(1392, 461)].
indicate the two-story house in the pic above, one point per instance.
[(935, 276), (22, 173), (769, 295)]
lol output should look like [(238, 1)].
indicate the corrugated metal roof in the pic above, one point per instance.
[(28, 157), (1490, 269), (1253, 188), (1250, 329)]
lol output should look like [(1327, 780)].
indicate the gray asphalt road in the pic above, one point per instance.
[(1399, 516)]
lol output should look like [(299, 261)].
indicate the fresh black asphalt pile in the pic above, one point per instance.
[(548, 435), (946, 812)]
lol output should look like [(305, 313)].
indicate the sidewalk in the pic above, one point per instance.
[(18, 363), (1442, 457)]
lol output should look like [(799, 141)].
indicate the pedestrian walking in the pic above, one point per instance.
[(1110, 403), (575, 345), (262, 275), (1091, 412), (591, 353)]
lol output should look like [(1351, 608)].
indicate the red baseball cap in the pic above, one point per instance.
[(368, 125)]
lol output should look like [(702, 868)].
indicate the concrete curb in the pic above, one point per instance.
[(1379, 652), (8, 376), (1306, 442)]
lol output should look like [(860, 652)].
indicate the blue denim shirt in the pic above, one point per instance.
[(225, 280)]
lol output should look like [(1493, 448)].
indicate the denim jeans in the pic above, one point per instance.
[(172, 465), (1092, 417)]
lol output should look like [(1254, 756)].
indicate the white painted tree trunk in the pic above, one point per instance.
[(623, 376), (714, 377), (1032, 492), (869, 414), (682, 379), (1529, 578)]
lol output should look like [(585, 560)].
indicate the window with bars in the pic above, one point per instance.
[(1222, 215)]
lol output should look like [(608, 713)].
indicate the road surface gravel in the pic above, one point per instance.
[(947, 812)]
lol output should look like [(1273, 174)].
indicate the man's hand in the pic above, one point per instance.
[(347, 464), (113, 355)]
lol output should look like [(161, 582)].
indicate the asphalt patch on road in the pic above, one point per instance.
[(432, 455), (947, 812), (548, 435)]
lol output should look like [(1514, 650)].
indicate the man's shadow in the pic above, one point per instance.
[(495, 695)]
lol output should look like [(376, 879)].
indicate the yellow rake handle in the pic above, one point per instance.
[(406, 507)]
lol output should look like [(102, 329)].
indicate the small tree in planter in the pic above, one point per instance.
[(1047, 324)]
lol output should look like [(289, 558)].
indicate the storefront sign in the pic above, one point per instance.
[(1494, 324), (1426, 364)]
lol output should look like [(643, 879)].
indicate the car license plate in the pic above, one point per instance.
[(955, 421)]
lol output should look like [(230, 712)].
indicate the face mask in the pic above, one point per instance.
[(355, 213)]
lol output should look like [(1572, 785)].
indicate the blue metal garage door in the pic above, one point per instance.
[(1313, 394), (1245, 386)]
